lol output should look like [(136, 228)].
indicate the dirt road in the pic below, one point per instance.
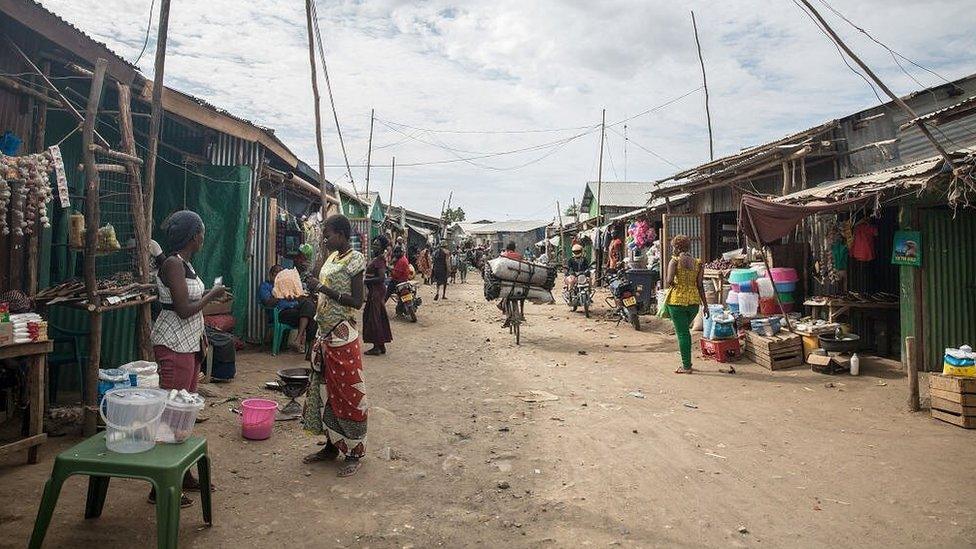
[(629, 454)]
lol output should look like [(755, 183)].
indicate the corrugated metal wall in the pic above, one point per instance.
[(949, 279), (226, 150)]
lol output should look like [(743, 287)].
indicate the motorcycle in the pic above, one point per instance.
[(580, 295), (407, 300), (622, 300)]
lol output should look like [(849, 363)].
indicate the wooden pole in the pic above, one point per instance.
[(897, 100), (912, 362), (392, 175), (708, 114), (33, 241), (562, 233), (598, 251), (317, 101), (763, 251), (156, 119), (139, 222), (91, 241), (17, 87), (369, 148)]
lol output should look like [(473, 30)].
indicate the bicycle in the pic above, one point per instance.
[(514, 316)]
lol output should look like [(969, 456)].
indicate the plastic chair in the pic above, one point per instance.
[(163, 466), (279, 330), (68, 349)]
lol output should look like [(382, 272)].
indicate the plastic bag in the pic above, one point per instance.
[(288, 285), (959, 362), (107, 241), (146, 376)]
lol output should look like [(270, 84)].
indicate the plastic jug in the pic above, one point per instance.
[(131, 418), (855, 365)]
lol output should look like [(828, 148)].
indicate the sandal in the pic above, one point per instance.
[(185, 501), (329, 453), (349, 467), (191, 484), (375, 351), (683, 371)]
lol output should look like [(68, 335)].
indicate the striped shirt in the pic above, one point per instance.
[(181, 335)]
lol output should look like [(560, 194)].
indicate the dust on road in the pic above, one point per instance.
[(628, 454)]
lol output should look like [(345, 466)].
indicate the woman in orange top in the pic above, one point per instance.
[(687, 295)]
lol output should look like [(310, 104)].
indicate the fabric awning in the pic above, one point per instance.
[(765, 222)]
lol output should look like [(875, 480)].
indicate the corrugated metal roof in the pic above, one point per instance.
[(653, 205), (515, 226), (618, 193), (963, 105)]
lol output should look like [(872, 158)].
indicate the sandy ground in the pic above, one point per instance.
[(761, 459)]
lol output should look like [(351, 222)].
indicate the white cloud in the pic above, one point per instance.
[(508, 64)]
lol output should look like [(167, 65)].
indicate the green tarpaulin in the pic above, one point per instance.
[(220, 194)]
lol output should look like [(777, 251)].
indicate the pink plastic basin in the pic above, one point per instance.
[(783, 274), (257, 418)]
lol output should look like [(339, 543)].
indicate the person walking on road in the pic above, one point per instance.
[(376, 321), (686, 295), (336, 404), (424, 264), (441, 268)]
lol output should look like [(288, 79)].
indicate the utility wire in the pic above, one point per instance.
[(573, 128), (894, 54), (328, 85), (606, 146), (152, 9), (840, 52), (647, 150)]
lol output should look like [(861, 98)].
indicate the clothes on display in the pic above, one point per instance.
[(838, 254), (865, 235)]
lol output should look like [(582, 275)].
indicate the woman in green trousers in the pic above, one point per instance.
[(684, 278)]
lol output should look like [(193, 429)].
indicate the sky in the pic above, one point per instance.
[(454, 84)]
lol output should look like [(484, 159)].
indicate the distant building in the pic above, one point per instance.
[(616, 198)]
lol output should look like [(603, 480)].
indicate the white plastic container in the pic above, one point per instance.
[(748, 304), (176, 424), (146, 373), (131, 418), (855, 365), (766, 288)]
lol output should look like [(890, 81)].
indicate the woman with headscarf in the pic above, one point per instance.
[(425, 265), (686, 295), (177, 335), (376, 321), (440, 269), (336, 404)]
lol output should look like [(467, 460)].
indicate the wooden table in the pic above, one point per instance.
[(838, 307), (36, 355)]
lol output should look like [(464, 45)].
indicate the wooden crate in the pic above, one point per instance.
[(953, 399), (783, 350)]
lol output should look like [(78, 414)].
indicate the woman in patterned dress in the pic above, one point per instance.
[(177, 334), (336, 404)]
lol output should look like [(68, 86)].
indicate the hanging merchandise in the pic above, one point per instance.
[(865, 235), (106, 240), (25, 190), (60, 176)]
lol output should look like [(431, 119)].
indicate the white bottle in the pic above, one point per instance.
[(855, 365)]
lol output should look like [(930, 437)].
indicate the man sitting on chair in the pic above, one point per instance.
[(297, 313)]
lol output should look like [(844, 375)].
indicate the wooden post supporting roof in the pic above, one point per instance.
[(91, 240)]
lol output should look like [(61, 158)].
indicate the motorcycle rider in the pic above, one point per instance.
[(577, 266), (400, 273)]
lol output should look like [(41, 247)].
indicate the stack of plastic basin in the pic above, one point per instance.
[(784, 280), (746, 288)]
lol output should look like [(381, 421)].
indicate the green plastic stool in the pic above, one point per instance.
[(163, 466), (280, 331)]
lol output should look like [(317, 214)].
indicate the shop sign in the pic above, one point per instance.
[(907, 248)]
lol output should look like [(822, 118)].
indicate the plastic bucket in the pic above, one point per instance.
[(783, 274), (768, 306), (131, 418), (785, 297), (765, 287), (788, 307), (257, 418), (732, 298), (785, 287), (178, 419), (749, 304)]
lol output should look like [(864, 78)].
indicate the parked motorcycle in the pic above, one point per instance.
[(407, 300), (622, 300), (580, 295)]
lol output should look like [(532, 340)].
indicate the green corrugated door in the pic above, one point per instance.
[(949, 278)]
